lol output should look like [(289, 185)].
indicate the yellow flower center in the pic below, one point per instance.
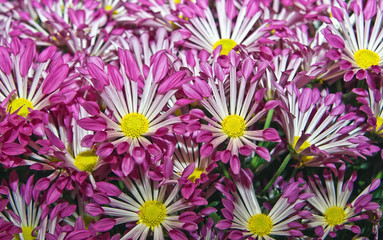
[(233, 126), (109, 8), (20, 102), (227, 45), (379, 122), (134, 125), (152, 213), (260, 224), (302, 147), (305, 145), (86, 161), (196, 174), (366, 58), (27, 233), (335, 216)]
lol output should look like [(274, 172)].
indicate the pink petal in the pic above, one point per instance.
[(55, 78), (104, 225), (108, 188)]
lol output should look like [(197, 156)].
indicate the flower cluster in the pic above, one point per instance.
[(191, 119)]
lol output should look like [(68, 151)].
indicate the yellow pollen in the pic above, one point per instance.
[(196, 174), (379, 122), (366, 58), (152, 213), (260, 224), (234, 126), (86, 161), (335, 216), (305, 145), (227, 45), (177, 1), (302, 147), (108, 7), (27, 233), (20, 102), (134, 125)]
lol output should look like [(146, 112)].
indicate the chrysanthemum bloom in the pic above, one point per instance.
[(245, 218), (334, 211), (24, 209), (154, 13), (234, 26), (65, 143), (284, 68), (357, 45), (234, 111), (79, 26), (26, 83), (313, 50), (372, 105), (190, 168), (320, 129), (146, 208), (139, 97)]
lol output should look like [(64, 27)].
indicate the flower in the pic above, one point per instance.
[(147, 208), (356, 43), (20, 70), (372, 105), (319, 128), (233, 27), (234, 112), (75, 25), (139, 98), (243, 213), (333, 210)]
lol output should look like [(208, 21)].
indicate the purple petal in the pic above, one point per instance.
[(104, 225), (108, 188), (55, 78)]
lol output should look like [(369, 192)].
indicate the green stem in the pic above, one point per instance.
[(222, 166), (277, 174), (256, 159)]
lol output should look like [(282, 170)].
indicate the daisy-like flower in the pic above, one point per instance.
[(139, 97), (334, 211), (235, 105), (372, 105), (234, 26), (65, 144), (146, 207), (245, 217), (79, 26), (25, 83), (190, 168), (320, 129), (357, 44)]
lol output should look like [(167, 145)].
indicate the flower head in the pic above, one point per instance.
[(334, 211)]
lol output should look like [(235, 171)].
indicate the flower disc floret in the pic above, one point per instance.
[(152, 213), (260, 224), (27, 233), (227, 45), (86, 161), (196, 174), (379, 122), (234, 126), (134, 125), (366, 58), (20, 102), (335, 216)]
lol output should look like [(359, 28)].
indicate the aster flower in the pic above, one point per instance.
[(235, 26), (357, 44), (372, 105), (25, 83), (147, 208), (190, 168), (334, 211), (320, 129), (139, 98), (79, 26), (234, 111), (245, 218)]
